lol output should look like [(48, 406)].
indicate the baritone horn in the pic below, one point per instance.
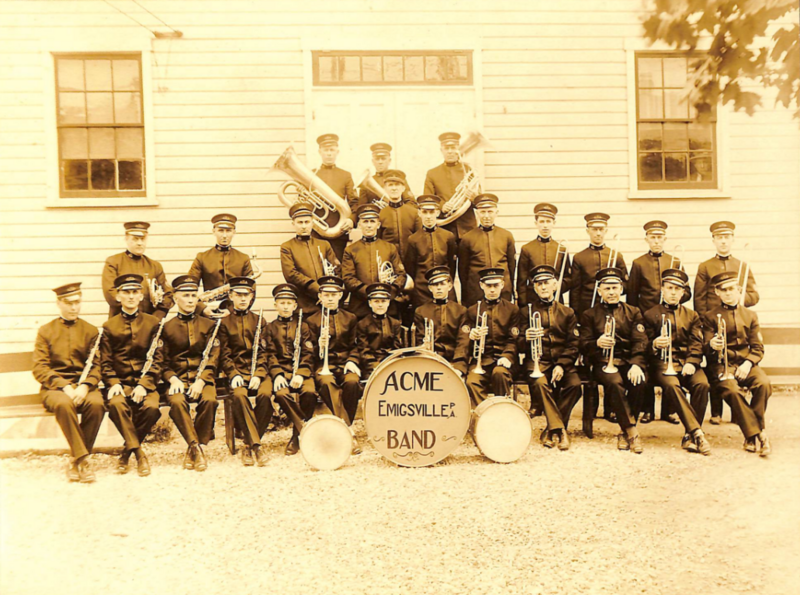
[(367, 181), (309, 188), (610, 331), (470, 185), (666, 353)]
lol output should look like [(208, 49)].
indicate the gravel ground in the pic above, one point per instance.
[(592, 520)]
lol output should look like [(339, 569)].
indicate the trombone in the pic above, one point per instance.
[(666, 353), (677, 260), (722, 333), (611, 331), (325, 332), (563, 267), (743, 284), (479, 346), (613, 255), (535, 322)]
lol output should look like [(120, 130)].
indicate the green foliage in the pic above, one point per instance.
[(739, 51)]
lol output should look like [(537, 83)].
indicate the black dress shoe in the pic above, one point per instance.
[(563, 443), (588, 427), (293, 447), (543, 436), (72, 472), (247, 456), (536, 412), (646, 418), (715, 420), (261, 456), (85, 472), (673, 418), (549, 441), (123, 464), (142, 464), (200, 463), (188, 459)]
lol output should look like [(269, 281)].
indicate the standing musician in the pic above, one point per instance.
[(381, 160), (157, 293), (244, 362), (191, 354), (735, 347), (399, 219), (613, 340), (291, 357), (486, 347), (486, 246), (443, 180), (676, 339), (437, 321), (550, 346), (429, 247), (65, 363), (543, 250), (379, 334), (131, 361), (304, 259)]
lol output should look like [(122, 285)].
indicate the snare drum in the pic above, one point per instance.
[(502, 429), (326, 442)]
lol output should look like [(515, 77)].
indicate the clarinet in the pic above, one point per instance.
[(256, 340), (88, 367), (297, 345), (151, 353), (207, 350)]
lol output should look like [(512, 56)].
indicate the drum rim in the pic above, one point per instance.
[(477, 418), (310, 423)]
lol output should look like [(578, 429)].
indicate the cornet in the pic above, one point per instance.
[(367, 181), (722, 334), (610, 331), (479, 346), (535, 322), (156, 291), (613, 254), (666, 353), (325, 332)]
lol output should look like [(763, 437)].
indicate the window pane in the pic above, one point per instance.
[(130, 175), (99, 106), (699, 136), (649, 137), (126, 75), (103, 174), (130, 143), (127, 108), (674, 72), (650, 167), (101, 143), (70, 75), (434, 68), (650, 104), (393, 68), (415, 68), (350, 68), (74, 143), (71, 108), (459, 67), (649, 72), (675, 137), (98, 75), (676, 105), (371, 68), (675, 167), (701, 168), (326, 71), (76, 175)]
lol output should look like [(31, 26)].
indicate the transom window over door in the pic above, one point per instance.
[(100, 125), (376, 68)]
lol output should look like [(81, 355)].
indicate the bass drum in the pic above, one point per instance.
[(326, 442), (502, 429)]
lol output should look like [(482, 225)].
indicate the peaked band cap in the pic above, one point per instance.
[(722, 227), (69, 292), (657, 227), (394, 175), (545, 209), (242, 284), (224, 220), (725, 278), (129, 281), (542, 272), (185, 283), (484, 200), (429, 201), (491, 274), (327, 139), (609, 275), (368, 211), (449, 137), (438, 274), (597, 219), (284, 290), (381, 148), (377, 291), (136, 228), (330, 283), (300, 209), (676, 276)]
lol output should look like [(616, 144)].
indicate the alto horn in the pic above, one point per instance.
[(310, 189), (470, 185), (367, 181)]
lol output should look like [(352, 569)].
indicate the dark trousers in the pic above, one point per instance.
[(620, 393), (591, 396), (749, 416), (79, 434), (341, 393), (672, 387), (557, 400), (202, 430), (298, 405), (253, 421), (496, 380), (134, 420), (668, 407)]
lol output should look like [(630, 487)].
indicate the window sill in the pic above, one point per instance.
[(101, 202), (677, 194)]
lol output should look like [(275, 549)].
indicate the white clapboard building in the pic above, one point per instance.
[(107, 115)]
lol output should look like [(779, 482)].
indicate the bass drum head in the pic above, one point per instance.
[(326, 442), (502, 429)]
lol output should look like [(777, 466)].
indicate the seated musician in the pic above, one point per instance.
[(131, 362), (247, 378), (615, 328), (684, 351), (486, 347), (555, 329), (733, 357), (64, 364), (442, 316), (290, 362), (378, 334)]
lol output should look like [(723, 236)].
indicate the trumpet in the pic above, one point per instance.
[(367, 181), (297, 344), (325, 332), (428, 339), (256, 340), (386, 272), (666, 353), (327, 268), (470, 185), (310, 189), (535, 322), (218, 293), (722, 334), (611, 331), (563, 267), (479, 346), (613, 254), (746, 267)]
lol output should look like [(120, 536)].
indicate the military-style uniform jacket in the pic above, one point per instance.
[(376, 337), (123, 350), (644, 284), (216, 266), (705, 299), (482, 248), (237, 333), (302, 266), (446, 316), (280, 337), (185, 338), (367, 196), (428, 248), (560, 340), (342, 346), (442, 181), (341, 182), (503, 323), (630, 334), (540, 251), (398, 222), (743, 337), (60, 353), (687, 336), (360, 268), (585, 265), (126, 263)]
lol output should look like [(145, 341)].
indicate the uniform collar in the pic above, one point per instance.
[(600, 247), (369, 240), (655, 254), (441, 302), (396, 205), (333, 312), (491, 302), (182, 316), (241, 312), (720, 257), (429, 229), (487, 229), (284, 319), (670, 306), (66, 322), (378, 316), (129, 317), (303, 238), (132, 256), (452, 164), (727, 307), (222, 248), (611, 306), (544, 303), (543, 240), (323, 166)]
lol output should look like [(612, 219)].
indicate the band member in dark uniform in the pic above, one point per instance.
[(131, 360), (733, 357), (378, 334), (238, 338), (399, 219), (486, 246), (679, 350), (543, 250), (188, 338), (498, 331), (64, 363), (555, 330), (441, 316), (133, 260), (615, 328), (382, 161), (304, 259)]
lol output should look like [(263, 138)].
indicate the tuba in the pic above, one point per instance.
[(469, 187), (368, 182), (312, 190)]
